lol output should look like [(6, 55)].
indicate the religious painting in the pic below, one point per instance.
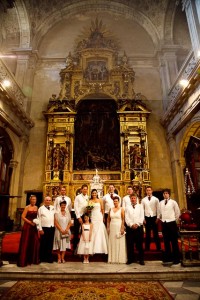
[(96, 71), (97, 136)]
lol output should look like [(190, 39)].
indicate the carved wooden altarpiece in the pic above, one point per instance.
[(97, 121)]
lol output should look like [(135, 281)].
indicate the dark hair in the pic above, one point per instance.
[(134, 194), (166, 190), (148, 187), (94, 190), (63, 202), (86, 215), (84, 185), (115, 197)]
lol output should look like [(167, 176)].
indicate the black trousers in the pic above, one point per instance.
[(46, 244), (105, 219), (170, 237), (151, 225), (134, 237)]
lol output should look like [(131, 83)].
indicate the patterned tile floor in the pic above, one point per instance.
[(179, 290)]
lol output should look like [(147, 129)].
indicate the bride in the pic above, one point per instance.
[(100, 237)]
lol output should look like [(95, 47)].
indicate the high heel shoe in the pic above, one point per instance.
[(59, 261), (63, 261)]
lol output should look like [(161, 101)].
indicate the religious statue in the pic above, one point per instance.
[(59, 154), (97, 184), (135, 156)]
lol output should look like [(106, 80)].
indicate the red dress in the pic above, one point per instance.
[(29, 243)]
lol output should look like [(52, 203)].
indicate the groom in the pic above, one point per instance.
[(80, 203)]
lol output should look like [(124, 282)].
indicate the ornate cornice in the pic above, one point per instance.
[(13, 90), (14, 98), (178, 94)]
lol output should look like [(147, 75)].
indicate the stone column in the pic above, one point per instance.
[(13, 201), (168, 71), (26, 62), (192, 10), (177, 174)]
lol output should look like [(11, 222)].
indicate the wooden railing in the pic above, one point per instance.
[(190, 247)]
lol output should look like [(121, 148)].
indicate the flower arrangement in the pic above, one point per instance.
[(89, 207)]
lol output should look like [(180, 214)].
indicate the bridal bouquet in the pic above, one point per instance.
[(89, 207)]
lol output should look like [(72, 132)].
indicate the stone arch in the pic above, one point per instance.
[(70, 10), (23, 24), (193, 130), (168, 25), (97, 96)]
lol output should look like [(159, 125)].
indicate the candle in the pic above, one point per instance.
[(96, 172)]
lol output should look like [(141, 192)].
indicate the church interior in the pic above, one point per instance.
[(108, 86)]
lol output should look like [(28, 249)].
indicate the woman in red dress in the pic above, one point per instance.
[(29, 242)]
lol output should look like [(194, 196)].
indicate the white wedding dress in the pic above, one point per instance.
[(99, 233)]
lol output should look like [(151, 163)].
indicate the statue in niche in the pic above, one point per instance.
[(59, 156), (135, 156), (116, 91), (67, 89), (76, 88), (124, 60)]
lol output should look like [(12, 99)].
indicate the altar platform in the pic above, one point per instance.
[(152, 270)]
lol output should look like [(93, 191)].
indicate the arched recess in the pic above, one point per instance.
[(101, 6), (6, 154), (23, 24), (193, 130), (190, 157), (97, 135), (169, 18)]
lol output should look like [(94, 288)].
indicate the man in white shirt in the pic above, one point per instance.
[(108, 201), (46, 229), (80, 204), (151, 211), (169, 215), (134, 217), (126, 199), (62, 198)]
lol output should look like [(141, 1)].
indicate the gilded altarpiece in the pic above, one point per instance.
[(97, 121)]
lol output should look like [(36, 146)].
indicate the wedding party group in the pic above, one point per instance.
[(113, 226)]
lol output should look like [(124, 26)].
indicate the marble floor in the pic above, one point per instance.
[(183, 283)]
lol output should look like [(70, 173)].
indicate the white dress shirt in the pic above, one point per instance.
[(134, 215), (108, 202), (151, 207), (46, 216), (169, 212), (80, 203), (60, 199)]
